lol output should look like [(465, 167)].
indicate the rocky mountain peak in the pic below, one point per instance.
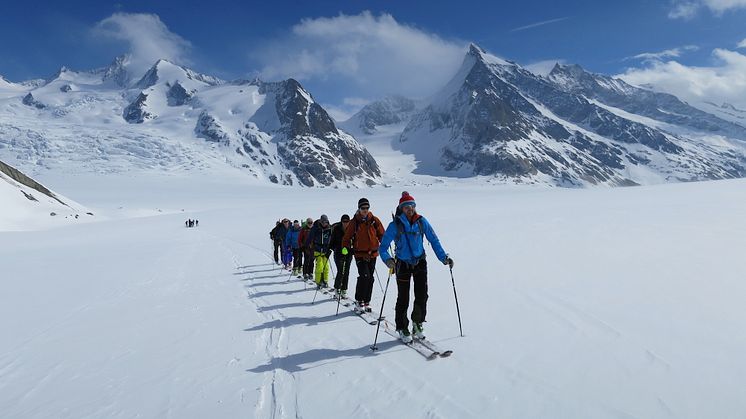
[(117, 72), (167, 71)]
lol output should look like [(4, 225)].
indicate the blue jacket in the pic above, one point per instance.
[(409, 244), (291, 238)]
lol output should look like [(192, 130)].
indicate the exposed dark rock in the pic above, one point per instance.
[(210, 129), (136, 112), (21, 178), (177, 95), (29, 100)]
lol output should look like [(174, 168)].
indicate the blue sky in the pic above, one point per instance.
[(314, 40)]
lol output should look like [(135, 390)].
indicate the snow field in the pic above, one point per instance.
[(575, 303)]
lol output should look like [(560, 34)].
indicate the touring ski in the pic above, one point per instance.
[(415, 344)]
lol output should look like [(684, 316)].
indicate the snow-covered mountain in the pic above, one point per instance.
[(26, 204), (387, 111), (173, 118), (571, 128)]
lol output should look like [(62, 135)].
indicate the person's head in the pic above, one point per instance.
[(407, 204), (296, 223), (286, 222), (363, 205), (324, 220), (309, 221), (345, 219)]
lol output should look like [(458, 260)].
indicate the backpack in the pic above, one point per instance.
[(400, 230)]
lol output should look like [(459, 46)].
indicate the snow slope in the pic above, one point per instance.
[(27, 205), (599, 303)]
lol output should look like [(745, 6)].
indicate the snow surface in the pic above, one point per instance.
[(24, 208), (598, 303)]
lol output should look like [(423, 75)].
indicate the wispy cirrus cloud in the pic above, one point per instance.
[(537, 24)]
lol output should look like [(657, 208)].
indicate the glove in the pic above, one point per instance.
[(345, 252), (328, 253), (448, 261), (391, 263)]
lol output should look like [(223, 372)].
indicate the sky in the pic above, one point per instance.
[(347, 53)]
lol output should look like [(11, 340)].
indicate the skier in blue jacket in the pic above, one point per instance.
[(407, 231), (292, 243)]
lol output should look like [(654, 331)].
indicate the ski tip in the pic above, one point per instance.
[(446, 354)]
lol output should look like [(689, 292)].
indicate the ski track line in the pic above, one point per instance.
[(278, 397)]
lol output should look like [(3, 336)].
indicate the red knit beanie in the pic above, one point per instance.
[(406, 198)]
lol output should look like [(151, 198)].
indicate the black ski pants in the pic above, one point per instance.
[(342, 263), (364, 288), (278, 250), (404, 275), (297, 258), (307, 261)]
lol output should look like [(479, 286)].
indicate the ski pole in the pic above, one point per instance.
[(380, 315), (378, 279), (456, 297), (339, 293)]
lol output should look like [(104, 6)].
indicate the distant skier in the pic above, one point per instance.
[(319, 239), (342, 258), (407, 231), (196, 223), (186, 223), (363, 234), (306, 248), (291, 244)]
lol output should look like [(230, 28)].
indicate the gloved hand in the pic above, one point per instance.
[(391, 263), (345, 252), (328, 253), (448, 261)]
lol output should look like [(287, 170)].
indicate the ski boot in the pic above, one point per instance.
[(418, 331), (404, 335)]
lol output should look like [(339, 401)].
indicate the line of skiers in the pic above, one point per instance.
[(301, 246), (191, 223)]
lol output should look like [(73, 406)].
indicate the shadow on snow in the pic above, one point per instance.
[(299, 362)]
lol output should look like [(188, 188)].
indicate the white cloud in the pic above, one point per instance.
[(374, 55), (724, 81), (687, 9), (542, 68), (669, 53), (148, 37), (684, 10)]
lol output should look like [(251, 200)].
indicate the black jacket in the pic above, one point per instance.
[(319, 237), (278, 233), (338, 232)]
